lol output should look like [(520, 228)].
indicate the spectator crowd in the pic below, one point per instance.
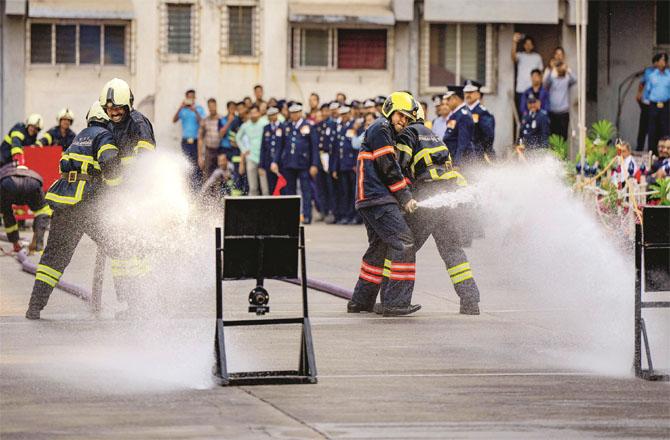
[(260, 146)]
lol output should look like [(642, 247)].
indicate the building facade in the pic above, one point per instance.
[(58, 53)]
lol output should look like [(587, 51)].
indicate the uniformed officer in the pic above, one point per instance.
[(534, 125), (426, 161), (485, 124), (460, 127), (18, 137), (61, 133), (325, 187), (22, 186), (134, 136), (298, 158), (381, 191), (91, 162), (343, 168), (273, 135)]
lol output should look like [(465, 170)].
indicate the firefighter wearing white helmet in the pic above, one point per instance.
[(18, 137), (132, 131), (381, 194), (60, 134), (134, 136), (91, 163)]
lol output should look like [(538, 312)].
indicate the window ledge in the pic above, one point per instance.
[(335, 70), (179, 58), (225, 59)]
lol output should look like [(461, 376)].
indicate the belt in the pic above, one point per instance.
[(74, 176), (188, 140), (658, 104)]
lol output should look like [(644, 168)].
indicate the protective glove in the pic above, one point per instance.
[(411, 206)]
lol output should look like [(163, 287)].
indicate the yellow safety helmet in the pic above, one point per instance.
[(36, 120), (401, 102), (97, 113), (65, 113), (116, 93)]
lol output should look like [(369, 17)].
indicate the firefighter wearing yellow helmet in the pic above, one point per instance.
[(91, 163), (20, 135), (381, 195), (132, 131), (426, 162), (60, 134)]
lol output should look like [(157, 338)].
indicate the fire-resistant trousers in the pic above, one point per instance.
[(68, 225), (388, 265)]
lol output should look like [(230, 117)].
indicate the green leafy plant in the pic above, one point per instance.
[(559, 146), (611, 200), (662, 188), (603, 130)]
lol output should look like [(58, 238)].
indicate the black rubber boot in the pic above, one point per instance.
[(353, 307), (34, 309), (400, 311), (469, 308)]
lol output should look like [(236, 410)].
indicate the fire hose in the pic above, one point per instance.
[(94, 297)]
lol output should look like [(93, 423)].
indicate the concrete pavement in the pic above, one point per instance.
[(520, 370)]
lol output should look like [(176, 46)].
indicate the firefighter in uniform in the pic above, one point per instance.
[(134, 136), (273, 135), (460, 127), (382, 191), (22, 186), (91, 162), (484, 122), (298, 157), (61, 133), (18, 137), (426, 161), (344, 168)]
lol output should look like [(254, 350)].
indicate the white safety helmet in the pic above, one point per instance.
[(96, 113), (36, 120), (65, 113), (116, 93)]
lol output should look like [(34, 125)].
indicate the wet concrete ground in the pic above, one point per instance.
[(513, 372)]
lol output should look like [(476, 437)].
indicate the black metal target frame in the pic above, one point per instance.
[(652, 274), (264, 239)]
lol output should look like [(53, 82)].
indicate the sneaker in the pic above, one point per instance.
[(319, 217), (330, 219), (399, 311), (342, 221), (469, 308), (353, 307)]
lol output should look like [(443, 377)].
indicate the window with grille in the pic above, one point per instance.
[(40, 43), (179, 33), (457, 52), (78, 44), (361, 48), (314, 50), (240, 30), (339, 48), (89, 44)]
